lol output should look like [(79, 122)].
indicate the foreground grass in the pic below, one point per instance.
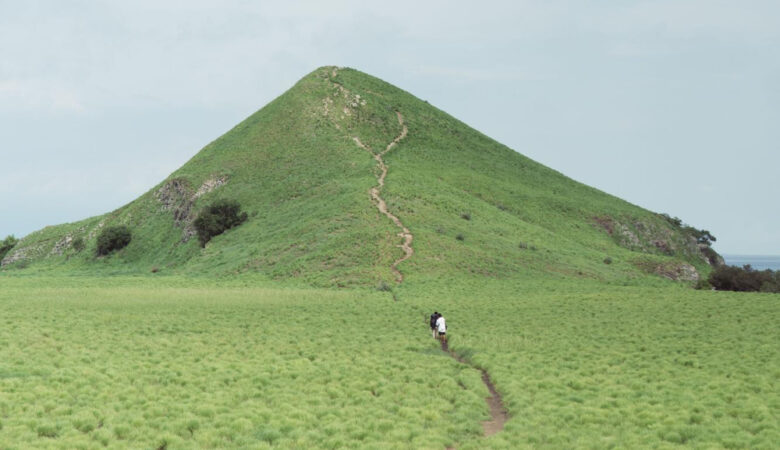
[(588, 365), (182, 363), (150, 366)]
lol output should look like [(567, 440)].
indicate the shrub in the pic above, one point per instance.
[(48, 430), (674, 221), (7, 244), (460, 237), (701, 236), (78, 244), (744, 279), (607, 260), (383, 287), (217, 218), (112, 239)]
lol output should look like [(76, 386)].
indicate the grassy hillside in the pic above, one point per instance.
[(475, 207)]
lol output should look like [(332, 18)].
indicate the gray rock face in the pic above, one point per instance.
[(176, 196), (675, 271), (652, 237), (22, 252), (627, 237), (62, 245), (209, 185), (685, 272)]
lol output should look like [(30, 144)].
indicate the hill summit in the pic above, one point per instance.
[(348, 180)]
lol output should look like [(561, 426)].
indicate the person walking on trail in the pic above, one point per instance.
[(434, 317), (441, 328)]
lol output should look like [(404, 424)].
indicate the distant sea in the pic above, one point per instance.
[(758, 262)]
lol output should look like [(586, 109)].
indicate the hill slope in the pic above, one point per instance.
[(351, 181)]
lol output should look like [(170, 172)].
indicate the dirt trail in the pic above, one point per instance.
[(380, 203), (498, 413), (377, 199)]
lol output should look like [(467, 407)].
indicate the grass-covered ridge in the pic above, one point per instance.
[(475, 207)]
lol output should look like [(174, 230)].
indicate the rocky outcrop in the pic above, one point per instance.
[(676, 271), (711, 256), (209, 185), (656, 237), (177, 197), (680, 272), (31, 248), (22, 252), (626, 237), (62, 245)]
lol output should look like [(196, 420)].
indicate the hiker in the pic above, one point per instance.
[(434, 317), (441, 328)]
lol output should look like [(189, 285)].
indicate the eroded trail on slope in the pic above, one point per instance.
[(380, 203), (498, 413)]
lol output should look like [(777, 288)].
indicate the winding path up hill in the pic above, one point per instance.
[(324, 211)]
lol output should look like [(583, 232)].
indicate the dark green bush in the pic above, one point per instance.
[(6, 245), (112, 239), (701, 236), (383, 287), (674, 221), (78, 244), (607, 260), (460, 237), (744, 279), (217, 218)]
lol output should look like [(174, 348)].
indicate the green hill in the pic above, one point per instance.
[(303, 168)]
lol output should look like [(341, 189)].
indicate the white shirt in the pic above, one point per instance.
[(441, 326)]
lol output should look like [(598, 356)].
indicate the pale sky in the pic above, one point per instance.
[(673, 105)]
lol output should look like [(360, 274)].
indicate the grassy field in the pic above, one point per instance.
[(588, 365), (145, 365), (188, 363)]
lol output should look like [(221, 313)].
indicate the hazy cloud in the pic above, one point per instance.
[(38, 95)]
